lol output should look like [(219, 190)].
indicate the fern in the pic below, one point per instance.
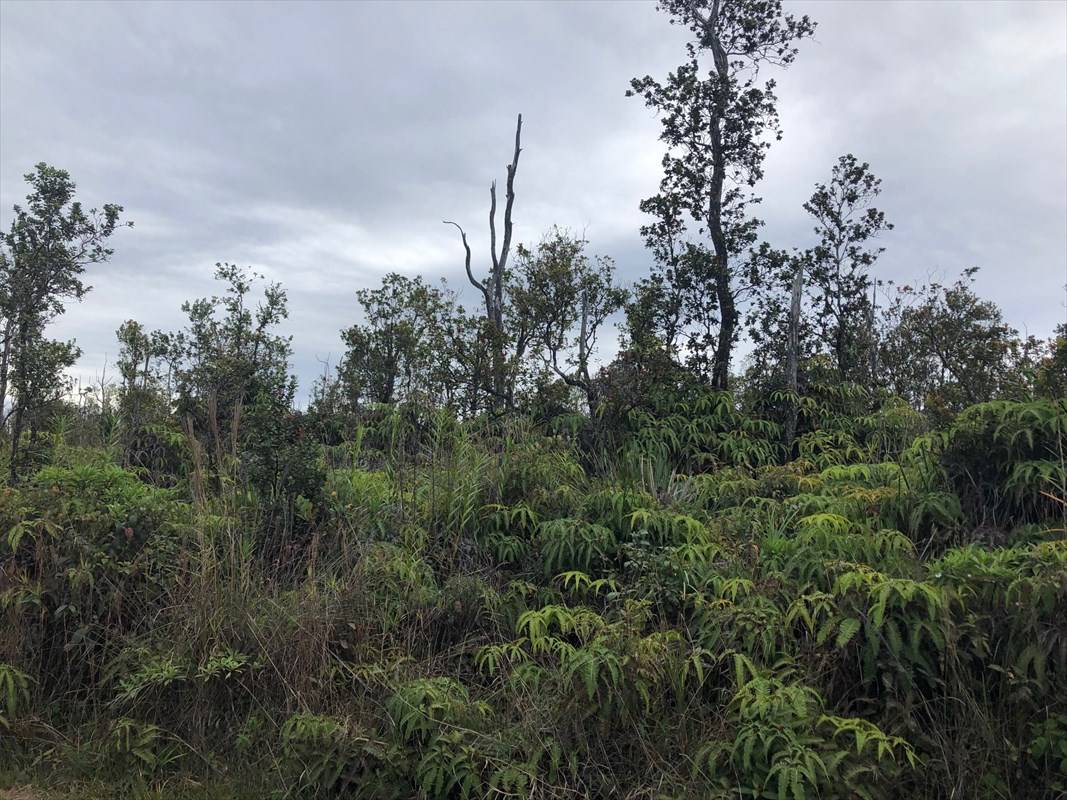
[(420, 707), (571, 544), (14, 693), (783, 746)]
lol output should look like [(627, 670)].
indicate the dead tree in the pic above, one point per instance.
[(492, 289)]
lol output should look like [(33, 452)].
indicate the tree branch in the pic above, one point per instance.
[(492, 229), (510, 196), (467, 262)]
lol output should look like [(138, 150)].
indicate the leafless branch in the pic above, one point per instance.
[(467, 262)]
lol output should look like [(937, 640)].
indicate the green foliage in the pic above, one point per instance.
[(140, 749), (465, 610), (784, 747), (14, 692), (43, 255), (449, 634), (359, 501), (420, 708), (574, 544), (480, 567), (92, 553), (328, 756), (1000, 456), (1047, 751)]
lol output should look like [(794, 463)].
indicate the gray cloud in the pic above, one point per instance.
[(323, 143)]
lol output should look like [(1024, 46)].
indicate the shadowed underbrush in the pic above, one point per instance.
[(466, 610)]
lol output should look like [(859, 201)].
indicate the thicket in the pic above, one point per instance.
[(483, 563), (468, 609)]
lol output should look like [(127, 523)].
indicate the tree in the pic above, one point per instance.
[(784, 344), (402, 351), (1052, 369), (654, 318), (945, 348), (43, 256), (645, 372), (492, 288), (771, 326), (564, 298), (142, 355), (229, 356), (715, 126), (135, 355), (846, 222)]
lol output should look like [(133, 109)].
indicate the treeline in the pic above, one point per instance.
[(814, 312)]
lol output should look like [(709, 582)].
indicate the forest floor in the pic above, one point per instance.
[(109, 791), (21, 793)]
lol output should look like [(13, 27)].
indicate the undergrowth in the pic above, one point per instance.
[(692, 608)]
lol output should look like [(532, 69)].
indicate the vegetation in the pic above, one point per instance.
[(483, 563)]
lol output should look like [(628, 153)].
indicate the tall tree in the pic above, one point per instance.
[(716, 125), (492, 288), (771, 328), (846, 223), (51, 241)]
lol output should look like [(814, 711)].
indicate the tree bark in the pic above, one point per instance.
[(793, 356), (872, 334), (720, 377), (5, 360), (493, 293), (16, 432), (16, 427)]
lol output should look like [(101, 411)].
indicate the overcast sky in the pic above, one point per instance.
[(324, 143)]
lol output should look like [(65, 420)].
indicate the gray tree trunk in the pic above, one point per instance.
[(793, 356)]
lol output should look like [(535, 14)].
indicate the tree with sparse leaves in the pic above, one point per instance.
[(230, 356), (565, 297), (145, 372), (838, 267), (716, 124), (819, 300)]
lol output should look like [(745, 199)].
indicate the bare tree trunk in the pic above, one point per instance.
[(872, 334), (583, 354), (793, 356), (20, 402), (500, 387), (4, 361), (16, 433), (493, 293), (844, 367)]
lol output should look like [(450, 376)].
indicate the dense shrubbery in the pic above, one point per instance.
[(482, 564), (461, 611)]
